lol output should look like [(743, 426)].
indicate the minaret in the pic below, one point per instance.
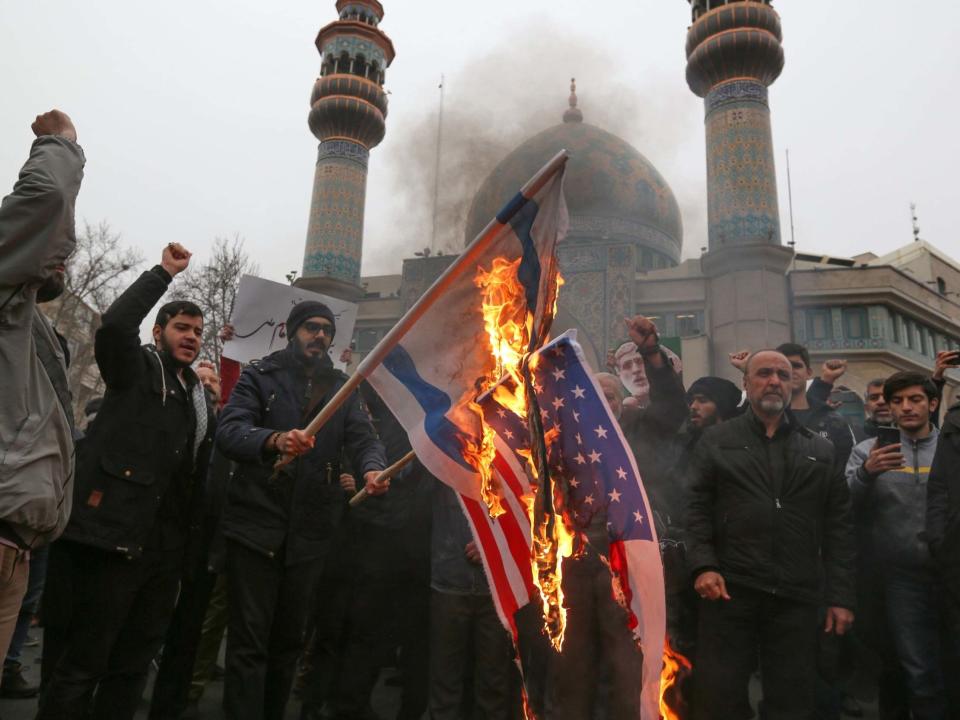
[(348, 110), (733, 55)]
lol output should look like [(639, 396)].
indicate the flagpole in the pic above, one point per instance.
[(466, 261)]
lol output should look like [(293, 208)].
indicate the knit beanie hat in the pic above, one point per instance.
[(305, 310), (725, 395)]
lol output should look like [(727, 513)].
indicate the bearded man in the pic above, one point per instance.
[(279, 530), (770, 542), (140, 465)]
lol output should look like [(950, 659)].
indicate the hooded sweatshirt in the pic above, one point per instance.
[(897, 502)]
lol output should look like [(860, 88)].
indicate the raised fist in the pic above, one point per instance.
[(54, 122), (175, 259), (739, 360), (643, 332), (832, 370)]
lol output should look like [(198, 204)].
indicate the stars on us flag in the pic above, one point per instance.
[(598, 469)]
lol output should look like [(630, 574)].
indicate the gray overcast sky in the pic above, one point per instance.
[(193, 114)]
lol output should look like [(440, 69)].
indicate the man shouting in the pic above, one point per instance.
[(138, 475)]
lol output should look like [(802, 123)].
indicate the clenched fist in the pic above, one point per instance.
[(54, 122), (710, 585), (832, 371), (175, 259)]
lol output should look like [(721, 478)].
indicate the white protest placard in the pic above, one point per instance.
[(260, 315)]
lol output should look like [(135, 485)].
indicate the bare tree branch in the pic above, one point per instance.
[(213, 286)]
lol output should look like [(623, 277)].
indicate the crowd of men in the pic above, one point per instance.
[(793, 545)]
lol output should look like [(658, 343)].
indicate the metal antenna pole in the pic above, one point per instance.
[(793, 239), (436, 170)]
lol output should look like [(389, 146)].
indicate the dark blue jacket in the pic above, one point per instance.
[(298, 512)]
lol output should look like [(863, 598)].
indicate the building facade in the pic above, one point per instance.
[(623, 252)]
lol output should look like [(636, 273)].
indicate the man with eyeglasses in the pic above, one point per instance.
[(278, 531)]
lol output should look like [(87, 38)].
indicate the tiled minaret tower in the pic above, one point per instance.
[(733, 55), (348, 110)]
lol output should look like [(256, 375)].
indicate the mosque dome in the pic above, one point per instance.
[(613, 192)]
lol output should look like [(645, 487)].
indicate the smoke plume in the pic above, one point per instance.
[(517, 89)]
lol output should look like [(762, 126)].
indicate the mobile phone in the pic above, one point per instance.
[(887, 436), (955, 360)]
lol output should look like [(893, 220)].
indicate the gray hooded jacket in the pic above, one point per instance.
[(897, 500), (36, 444)]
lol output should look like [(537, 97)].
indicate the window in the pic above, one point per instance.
[(911, 341), (941, 286), (895, 322), (687, 325), (367, 338), (819, 325), (855, 324)]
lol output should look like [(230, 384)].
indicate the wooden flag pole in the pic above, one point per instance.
[(387, 474), (466, 261)]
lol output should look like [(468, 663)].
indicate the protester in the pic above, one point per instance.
[(465, 631), (172, 685), (769, 515), (943, 536), (36, 419), (875, 409), (355, 629), (278, 530), (811, 409), (711, 400), (597, 633), (140, 461), (892, 480)]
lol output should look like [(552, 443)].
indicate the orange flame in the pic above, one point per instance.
[(675, 667), (509, 326)]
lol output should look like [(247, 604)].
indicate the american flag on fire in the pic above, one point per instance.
[(589, 454)]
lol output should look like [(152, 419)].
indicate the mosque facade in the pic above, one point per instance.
[(622, 255)]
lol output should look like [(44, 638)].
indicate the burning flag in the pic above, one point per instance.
[(592, 463), (491, 307)]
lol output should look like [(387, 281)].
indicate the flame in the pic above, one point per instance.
[(509, 326), (675, 667), (553, 540)]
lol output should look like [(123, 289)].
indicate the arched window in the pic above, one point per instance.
[(343, 64), (375, 71), (360, 66)]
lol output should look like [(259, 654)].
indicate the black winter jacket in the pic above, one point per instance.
[(138, 482), (772, 514), (299, 511), (943, 502), (827, 422)]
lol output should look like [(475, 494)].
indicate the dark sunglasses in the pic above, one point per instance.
[(315, 328)]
